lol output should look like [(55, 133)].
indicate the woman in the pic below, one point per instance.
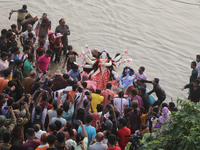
[(95, 119), (135, 97), (134, 120), (69, 132), (164, 117)]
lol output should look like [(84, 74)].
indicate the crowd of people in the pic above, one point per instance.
[(46, 111)]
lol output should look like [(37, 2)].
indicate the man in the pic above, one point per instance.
[(21, 15), (3, 46), (160, 93), (59, 117), (106, 93), (96, 99), (98, 145), (194, 72), (75, 73), (64, 30), (198, 65), (61, 141), (24, 35), (26, 51), (18, 68), (28, 20), (28, 82), (42, 63), (31, 142), (28, 66), (38, 131), (145, 99), (3, 61), (122, 132), (52, 112), (51, 140), (194, 87), (91, 131), (140, 75), (112, 139), (4, 81)]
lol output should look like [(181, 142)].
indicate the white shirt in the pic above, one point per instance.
[(39, 133), (46, 44), (23, 57), (141, 76), (78, 98), (68, 88), (198, 68), (63, 121), (25, 34), (3, 64), (120, 103), (52, 113)]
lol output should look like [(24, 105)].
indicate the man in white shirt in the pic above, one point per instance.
[(3, 61), (26, 51), (24, 35), (38, 132), (140, 75), (120, 102), (198, 65), (59, 117)]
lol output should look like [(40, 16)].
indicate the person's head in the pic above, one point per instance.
[(31, 57), (133, 92), (36, 127), (112, 140), (108, 86), (164, 105), (66, 76), (99, 107), (4, 56), (141, 70), (198, 58), (19, 63), (13, 27), (3, 32), (142, 109), (6, 90), (6, 137), (30, 36), (155, 81), (80, 90), (26, 49), (99, 136), (156, 109), (10, 57), (15, 50), (69, 129), (193, 64), (74, 87), (51, 139), (89, 118), (59, 112), (98, 91), (75, 68), (196, 82), (121, 94), (49, 53), (62, 21), (70, 48), (29, 27), (58, 125), (44, 16), (33, 74), (11, 84), (38, 110), (10, 101), (85, 103), (30, 134), (171, 106), (84, 84), (122, 122), (51, 127), (142, 91), (60, 137), (24, 7), (42, 38), (40, 53), (27, 17), (7, 73), (43, 139), (3, 39), (9, 35)]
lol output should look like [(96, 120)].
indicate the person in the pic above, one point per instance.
[(120, 103), (18, 69), (21, 15), (198, 65), (42, 63), (122, 132), (3, 32), (107, 92), (112, 140), (98, 145), (3, 61), (6, 141), (59, 117), (28, 82), (51, 42), (70, 57), (41, 47), (60, 141), (4, 81), (160, 93), (194, 72), (69, 132), (145, 99), (194, 87), (43, 142), (3, 45), (16, 52), (75, 72), (140, 75), (91, 131), (28, 66), (64, 30), (51, 140), (96, 99), (164, 118), (58, 47), (38, 131), (26, 51), (14, 30), (136, 97), (24, 35), (28, 20), (43, 26), (52, 112)]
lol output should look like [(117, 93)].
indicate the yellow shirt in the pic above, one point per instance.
[(96, 99)]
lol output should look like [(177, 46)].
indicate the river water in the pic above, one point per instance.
[(161, 35)]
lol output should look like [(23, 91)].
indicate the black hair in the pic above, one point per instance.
[(69, 129), (9, 55), (24, 7), (164, 105), (65, 76), (66, 106), (58, 125), (30, 35), (1, 96), (28, 16), (112, 139), (74, 66), (42, 36), (79, 137), (50, 83), (26, 48), (10, 101), (121, 94), (98, 91), (15, 49), (134, 92), (142, 109), (10, 83), (3, 31), (60, 20), (69, 47), (143, 90), (197, 81), (18, 62), (59, 111), (134, 106), (36, 85), (142, 68), (41, 43), (89, 118), (124, 71), (13, 26), (52, 127), (108, 86), (80, 89), (51, 139), (6, 137), (40, 52), (11, 63), (60, 137), (49, 51), (107, 133), (194, 63), (54, 105), (80, 114), (99, 107), (198, 56), (74, 87), (84, 84), (2, 37), (6, 90), (36, 128), (123, 121), (156, 80), (4, 54), (156, 109), (117, 113), (15, 106), (8, 34), (30, 131), (85, 103), (38, 110), (30, 56), (6, 72), (171, 104)]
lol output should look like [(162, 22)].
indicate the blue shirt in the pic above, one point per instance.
[(91, 132), (68, 115), (15, 57), (74, 75)]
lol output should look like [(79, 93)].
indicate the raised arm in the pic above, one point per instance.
[(11, 12), (83, 129)]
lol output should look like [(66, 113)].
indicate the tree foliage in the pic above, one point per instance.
[(181, 133)]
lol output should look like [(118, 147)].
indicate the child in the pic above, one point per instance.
[(24, 56), (71, 56), (29, 42), (58, 47), (46, 42), (51, 42), (41, 47)]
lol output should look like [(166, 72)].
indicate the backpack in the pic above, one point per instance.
[(38, 121)]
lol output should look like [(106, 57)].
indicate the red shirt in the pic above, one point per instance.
[(39, 48), (51, 39), (122, 139), (34, 144), (58, 42), (105, 94), (116, 148)]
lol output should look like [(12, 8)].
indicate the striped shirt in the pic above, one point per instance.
[(21, 14)]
